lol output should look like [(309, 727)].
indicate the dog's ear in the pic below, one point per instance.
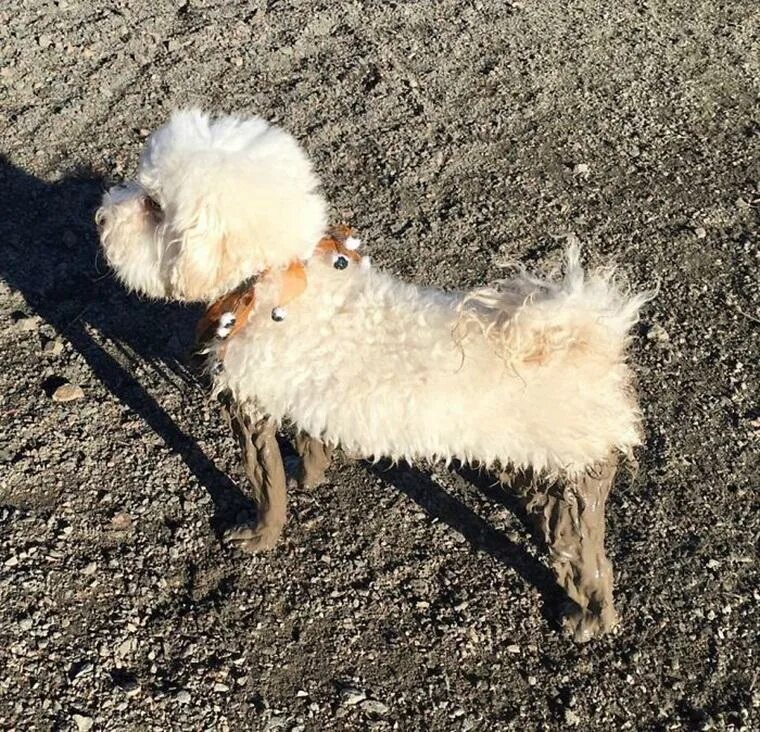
[(236, 234), (193, 276), (205, 264)]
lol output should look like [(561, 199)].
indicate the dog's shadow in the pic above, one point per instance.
[(418, 485), (50, 255)]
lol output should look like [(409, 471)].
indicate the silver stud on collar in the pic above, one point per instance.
[(226, 324)]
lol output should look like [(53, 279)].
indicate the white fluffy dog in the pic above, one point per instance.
[(529, 373)]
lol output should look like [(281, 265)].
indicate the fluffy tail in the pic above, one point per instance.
[(534, 321)]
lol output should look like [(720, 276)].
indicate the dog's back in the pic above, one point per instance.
[(531, 372)]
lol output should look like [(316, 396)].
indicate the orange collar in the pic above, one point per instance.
[(228, 314)]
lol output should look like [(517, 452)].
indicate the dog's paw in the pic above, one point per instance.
[(585, 624), (300, 478), (309, 481), (253, 538)]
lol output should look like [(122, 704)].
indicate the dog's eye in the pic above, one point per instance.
[(152, 205)]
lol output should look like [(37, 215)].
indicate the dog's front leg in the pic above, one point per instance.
[(571, 516), (315, 460), (264, 468)]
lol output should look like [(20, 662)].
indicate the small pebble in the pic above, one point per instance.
[(351, 696), (125, 648), (581, 169), (121, 522), (68, 393), (53, 348), (82, 722), (371, 706), (658, 334), (27, 325), (80, 668), (183, 697), (571, 718)]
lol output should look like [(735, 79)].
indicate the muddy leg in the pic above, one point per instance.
[(315, 459), (571, 517), (263, 467)]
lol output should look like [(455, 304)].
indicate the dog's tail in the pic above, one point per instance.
[(536, 321)]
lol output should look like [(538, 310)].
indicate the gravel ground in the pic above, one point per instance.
[(452, 134)]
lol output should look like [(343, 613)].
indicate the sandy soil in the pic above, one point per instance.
[(453, 134)]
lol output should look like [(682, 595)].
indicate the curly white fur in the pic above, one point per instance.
[(215, 202), (530, 372), (388, 369)]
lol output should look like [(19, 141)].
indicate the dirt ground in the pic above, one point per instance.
[(453, 134)]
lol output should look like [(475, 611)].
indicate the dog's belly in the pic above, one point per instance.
[(381, 372)]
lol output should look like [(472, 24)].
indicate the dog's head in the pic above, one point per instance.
[(214, 203)]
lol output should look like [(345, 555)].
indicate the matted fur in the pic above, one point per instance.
[(529, 372), (385, 368)]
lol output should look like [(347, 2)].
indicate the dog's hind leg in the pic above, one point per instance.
[(315, 460), (571, 517), (264, 468)]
